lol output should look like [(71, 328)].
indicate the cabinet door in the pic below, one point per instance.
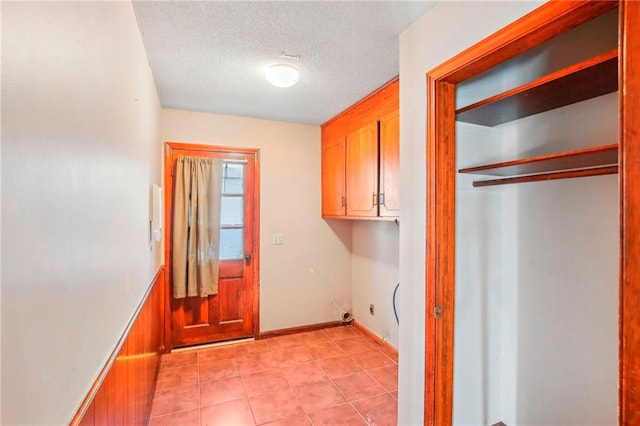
[(333, 170), (362, 172), (390, 165)]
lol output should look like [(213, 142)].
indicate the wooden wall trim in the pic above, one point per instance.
[(87, 407), (440, 251), (629, 320), (300, 329), (385, 346), (167, 218), (208, 148), (256, 242), (535, 28)]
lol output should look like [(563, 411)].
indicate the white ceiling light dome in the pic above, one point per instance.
[(282, 75)]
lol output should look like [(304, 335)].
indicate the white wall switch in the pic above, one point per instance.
[(277, 239)]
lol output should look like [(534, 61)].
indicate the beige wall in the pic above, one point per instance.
[(80, 118), (306, 280), (567, 284), (374, 274)]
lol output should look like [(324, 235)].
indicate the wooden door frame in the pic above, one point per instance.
[(169, 147), (629, 325), (542, 24)]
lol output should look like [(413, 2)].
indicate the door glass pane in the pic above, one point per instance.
[(232, 214), (231, 243), (232, 211), (233, 178)]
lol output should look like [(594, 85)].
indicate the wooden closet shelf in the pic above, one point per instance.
[(593, 161), (566, 174), (594, 77)]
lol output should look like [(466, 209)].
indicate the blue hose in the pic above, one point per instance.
[(395, 310)]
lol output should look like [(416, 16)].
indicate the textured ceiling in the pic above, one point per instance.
[(211, 56)]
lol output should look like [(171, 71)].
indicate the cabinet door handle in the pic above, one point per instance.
[(381, 198), (342, 201), (375, 196)]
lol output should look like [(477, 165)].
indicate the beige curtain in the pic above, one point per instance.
[(196, 226)]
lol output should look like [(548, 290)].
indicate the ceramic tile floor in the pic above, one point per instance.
[(335, 376)]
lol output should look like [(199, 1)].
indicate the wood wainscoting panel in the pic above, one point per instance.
[(123, 391)]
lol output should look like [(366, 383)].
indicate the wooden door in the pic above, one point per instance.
[(390, 165), (233, 312), (333, 170), (362, 171)]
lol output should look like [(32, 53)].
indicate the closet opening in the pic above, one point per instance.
[(528, 208)]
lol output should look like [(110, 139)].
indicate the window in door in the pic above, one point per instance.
[(232, 215)]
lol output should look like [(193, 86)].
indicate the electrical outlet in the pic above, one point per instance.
[(371, 308), (277, 239)]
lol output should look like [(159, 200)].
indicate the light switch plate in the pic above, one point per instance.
[(277, 239)]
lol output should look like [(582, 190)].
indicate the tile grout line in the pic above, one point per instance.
[(280, 371), (199, 389), (253, 415), (332, 379), (351, 402), (306, 344), (304, 410), (315, 361), (170, 396)]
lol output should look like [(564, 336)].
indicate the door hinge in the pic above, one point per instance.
[(437, 312), (381, 198)]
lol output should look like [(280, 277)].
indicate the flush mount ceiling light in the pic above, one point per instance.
[(282, 75)]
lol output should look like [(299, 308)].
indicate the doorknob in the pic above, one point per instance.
[(247, 258)]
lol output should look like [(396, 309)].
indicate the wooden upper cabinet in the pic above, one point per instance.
[(390, 165), (360, 149), (333, 177), (362, 172)]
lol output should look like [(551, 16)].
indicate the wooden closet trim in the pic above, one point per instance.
[(629, 152), (540, 25)]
